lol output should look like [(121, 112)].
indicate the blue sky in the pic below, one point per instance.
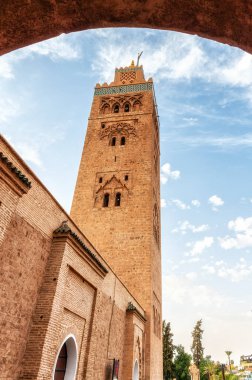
[(204, 96)]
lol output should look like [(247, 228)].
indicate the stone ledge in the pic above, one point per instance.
[(13, 176), (132, 309), (65, 230)]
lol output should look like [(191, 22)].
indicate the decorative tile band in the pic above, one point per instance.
[(129, 69), (123, 89)]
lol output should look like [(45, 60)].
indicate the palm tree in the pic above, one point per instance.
[(229, 362), (210, 370)]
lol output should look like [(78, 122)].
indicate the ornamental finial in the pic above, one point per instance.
[(138, 57)]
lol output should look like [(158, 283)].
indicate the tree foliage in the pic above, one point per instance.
[(168, 351), (181, 364), (228, 353), (210, 369), (197, 348)]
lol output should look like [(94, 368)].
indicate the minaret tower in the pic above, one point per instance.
[(117, 196)]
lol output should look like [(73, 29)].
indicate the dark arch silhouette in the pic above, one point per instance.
[(227, 21)]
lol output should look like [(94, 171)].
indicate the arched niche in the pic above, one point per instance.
[(136, 371), (227, 21), (66, 360)]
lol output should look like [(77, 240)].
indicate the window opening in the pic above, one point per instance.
[(106, 109), (123, 140), (113, 141), (116, 108), (61, 364), (115, 158), (126, 108), (106, 200), (100, 180), (136, 106), (126, 177), (118, 199), (103, 125)]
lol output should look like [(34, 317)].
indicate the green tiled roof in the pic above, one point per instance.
[(15, 170), (64, 228)]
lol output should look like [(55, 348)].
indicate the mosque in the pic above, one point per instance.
[(81, 294)]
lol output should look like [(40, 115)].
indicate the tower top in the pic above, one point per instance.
[(129, 74), (127, 79)]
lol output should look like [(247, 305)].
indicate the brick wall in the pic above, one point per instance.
[(52, 287)]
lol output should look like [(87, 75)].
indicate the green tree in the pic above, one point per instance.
[(197, 348), (203, 364), (210, 370), (228, 355), (181, 364), (168, 351)]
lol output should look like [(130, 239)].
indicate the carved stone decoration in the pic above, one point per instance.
[(120, 128), (194, 372), (107, 103), (156, 222), (156, 322), (111, 186), (138, 357)]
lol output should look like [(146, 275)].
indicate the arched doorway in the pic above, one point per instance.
[(66, 362), (136, 371)]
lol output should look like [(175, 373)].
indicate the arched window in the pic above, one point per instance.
[(136, 371), (118, 199), (113, 141), (105, 108), (116, 108), (106, 200), (123, 140), (66, 363), (61, 364), (127, 107), (136, 106)]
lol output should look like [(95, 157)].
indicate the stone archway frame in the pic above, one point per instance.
[(136, 370), (72, 357), (226, 21)]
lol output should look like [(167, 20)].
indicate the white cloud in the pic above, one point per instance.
[(216, 202), (175, 57), (185, 226), (167, 173), (209, 269), (6, 70), (179, 204), (235, 273), (242, 228), (29, 153), (198, 247), (191, 276), (239, 73), (241, 224), (9, 109), (59, 48), (182, 290), (195, 203), (221, 142), (163, 203)]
